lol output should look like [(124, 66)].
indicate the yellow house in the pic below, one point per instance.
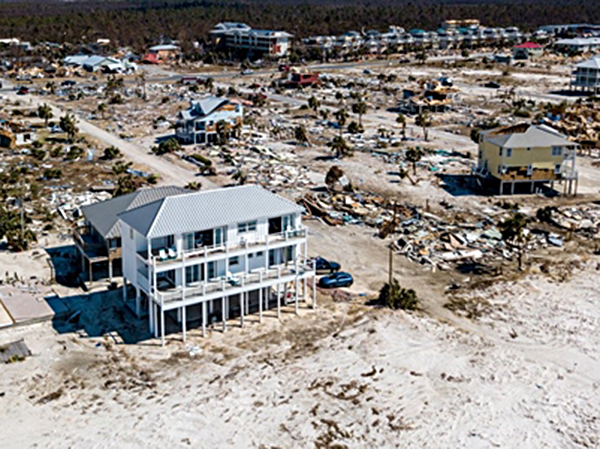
[(522, 158)]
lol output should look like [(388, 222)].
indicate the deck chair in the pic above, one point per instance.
[(162, 254), (233, 280), (172, 253)]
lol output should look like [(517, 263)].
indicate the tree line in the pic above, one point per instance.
[(140, 23)]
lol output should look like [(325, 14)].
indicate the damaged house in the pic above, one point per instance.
[(198, 123), (524, 157)]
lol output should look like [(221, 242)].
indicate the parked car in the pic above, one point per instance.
[(68, 83), (247, 72), (492, 85), (336, 280), (23, 90), (367, 72), (326, 266)]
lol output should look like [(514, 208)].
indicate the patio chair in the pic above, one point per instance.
[(233, 280), (162, 254), (172, 253)]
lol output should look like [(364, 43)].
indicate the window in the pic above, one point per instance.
[(259, 254), (192, 274), (528, 148), (556, 151), (557, 169), (234, 261), (508, 152), (246, 227), (250, 256), (499, 169), (529, 170), (500, 151), (480, 154)]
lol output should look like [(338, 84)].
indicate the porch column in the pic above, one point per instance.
[(110, 266), (242, 299), (285, 293), (125, 289), (260, 304), (90, 277), (501, 186), (267, 296), (304, 289), (162, 326), (137, 302), (183, 320), (204, 318), (155, 312), (314, 291), (223, 313), (296, 295), (150, 318), (278, 301), (512, 188)]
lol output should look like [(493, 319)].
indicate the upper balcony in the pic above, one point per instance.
[(168, 255)]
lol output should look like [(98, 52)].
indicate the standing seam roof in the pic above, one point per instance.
[(197, 211)]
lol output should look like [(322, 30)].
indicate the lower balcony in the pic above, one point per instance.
[(173, 296)]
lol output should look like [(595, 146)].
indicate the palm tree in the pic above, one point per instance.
[(314, 103), (45, 112), (359, 108), (142, 80), (339, 146), (341, 116), (51, 86), (401, 119), (414, 155), (424, 122), (68, 124), (513, 231), (301, 135), (240, 176), (102, 109), (209, 84)]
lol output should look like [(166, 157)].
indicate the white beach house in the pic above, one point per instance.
[(210, 256)]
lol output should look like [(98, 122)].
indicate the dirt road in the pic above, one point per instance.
[(170, 174)]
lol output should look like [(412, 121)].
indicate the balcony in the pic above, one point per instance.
[(93, 246), (219, 287), (170, 255)]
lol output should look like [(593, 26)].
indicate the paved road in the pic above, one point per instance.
[(169, 172)]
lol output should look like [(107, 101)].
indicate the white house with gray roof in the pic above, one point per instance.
[(586, 75), (241, 38), (205, 257), (198, 123)]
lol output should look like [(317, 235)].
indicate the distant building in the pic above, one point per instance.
[(586, 76), (527, 50), (521, 158), (240, 38), (99, 239), (159, 54), (198, 123), (464, 23), (97, 63), (578, 45)]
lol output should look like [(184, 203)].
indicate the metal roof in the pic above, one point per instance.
[(211, 209), (593, 63), (103, 216), (534, 136)]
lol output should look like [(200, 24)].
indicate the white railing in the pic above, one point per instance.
[(230, 246), (237, 281)]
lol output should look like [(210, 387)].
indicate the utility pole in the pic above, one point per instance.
[(391, 254)]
